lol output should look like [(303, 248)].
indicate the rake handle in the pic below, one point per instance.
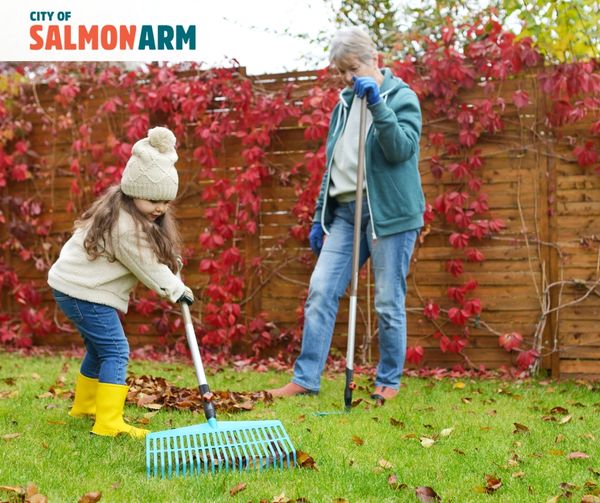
[(355, 256), (190, 335)]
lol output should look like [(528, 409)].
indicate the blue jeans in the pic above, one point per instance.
[(390, 258), (107, 349)]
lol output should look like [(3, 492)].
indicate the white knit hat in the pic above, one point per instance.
[(150, 172)]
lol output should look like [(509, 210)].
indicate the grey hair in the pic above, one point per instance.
[(352, 42)]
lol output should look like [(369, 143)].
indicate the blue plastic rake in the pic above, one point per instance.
[(207, 448)]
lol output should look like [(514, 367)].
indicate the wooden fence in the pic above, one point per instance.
[(547, 257)]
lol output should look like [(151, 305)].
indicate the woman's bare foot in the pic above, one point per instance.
[(383, 393), (290, 389)]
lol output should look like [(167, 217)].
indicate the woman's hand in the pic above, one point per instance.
[(315, 238), (366, 86)]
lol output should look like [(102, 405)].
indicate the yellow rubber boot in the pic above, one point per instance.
[(110, 401), (84, 403)]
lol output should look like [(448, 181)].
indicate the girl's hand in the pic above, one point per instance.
[(187, 296)]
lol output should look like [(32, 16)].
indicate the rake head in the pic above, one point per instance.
[(208, 448)]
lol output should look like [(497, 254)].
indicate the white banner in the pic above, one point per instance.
[(101, 30)]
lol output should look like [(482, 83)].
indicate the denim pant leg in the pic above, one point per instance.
[(328, 284), (390, 257), (107, 348)]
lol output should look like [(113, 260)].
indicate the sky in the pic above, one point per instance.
[(254, 33)]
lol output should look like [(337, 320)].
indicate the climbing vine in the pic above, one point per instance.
[(84, 118)]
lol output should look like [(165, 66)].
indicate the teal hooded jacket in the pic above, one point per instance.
[(393, 182)]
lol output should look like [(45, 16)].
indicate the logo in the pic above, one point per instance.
[(56, 31)]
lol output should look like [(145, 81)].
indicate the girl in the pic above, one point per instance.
[(128, 234)]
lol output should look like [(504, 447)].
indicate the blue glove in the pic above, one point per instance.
[(366, 86), (315, 238)]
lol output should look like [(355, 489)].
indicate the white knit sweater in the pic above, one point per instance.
[(111, 283)]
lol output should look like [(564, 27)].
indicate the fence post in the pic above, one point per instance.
[(547, 172)]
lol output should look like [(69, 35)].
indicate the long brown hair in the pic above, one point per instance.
[(98, 221)]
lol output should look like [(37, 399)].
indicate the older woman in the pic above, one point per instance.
[(392, 213)]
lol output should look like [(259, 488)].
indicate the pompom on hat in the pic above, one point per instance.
[(150, 172)]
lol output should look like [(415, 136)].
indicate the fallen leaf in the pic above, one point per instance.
[(458, 451), (395, 422), (238, 488), (90, 497), (384, 463), (427, 494), (594, 471), (514, 460), (556, 452), (10, 381), (427, 442), (10, 436), (559, 410), (280, 499), (393, 482), (590, 498), (35, 375), (520, 428), (37, 498), (466, 399), (446, 432), (588, 436), (559, 438), (492, 484), (31, 490), (554, 499), (518, 475), (14, 489), (577, 455), (567, 486), (565, 419), (304, 460), (459, 385), (153, 406), (357, 440), (339, 500), (8, 394)]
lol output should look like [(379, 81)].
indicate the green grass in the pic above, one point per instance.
[(57, 454)]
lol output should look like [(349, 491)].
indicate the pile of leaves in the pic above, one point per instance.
[(156, 393)]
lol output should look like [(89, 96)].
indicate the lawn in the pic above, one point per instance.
[(467, 440)]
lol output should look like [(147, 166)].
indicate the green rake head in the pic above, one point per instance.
[(229, 446)]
